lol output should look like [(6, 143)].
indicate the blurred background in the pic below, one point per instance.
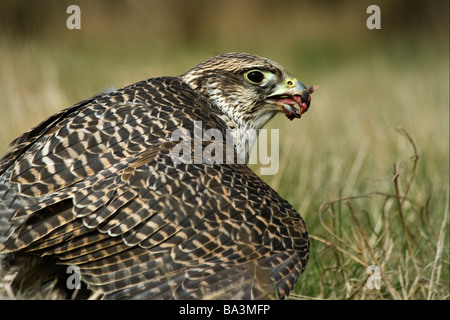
[(371, 193)]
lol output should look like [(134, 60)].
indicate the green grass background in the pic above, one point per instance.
[(370, 192)]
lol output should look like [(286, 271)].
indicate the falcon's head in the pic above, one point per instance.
[(249, 89)]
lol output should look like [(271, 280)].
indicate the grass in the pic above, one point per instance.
[(367, 166), (388, 229)]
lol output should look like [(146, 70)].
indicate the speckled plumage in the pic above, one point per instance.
[(95, 186)]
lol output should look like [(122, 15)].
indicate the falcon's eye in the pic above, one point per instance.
[(255, 76)]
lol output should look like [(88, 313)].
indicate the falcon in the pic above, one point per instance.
[(95, 203)]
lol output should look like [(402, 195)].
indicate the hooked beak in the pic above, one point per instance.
[(287, 96)]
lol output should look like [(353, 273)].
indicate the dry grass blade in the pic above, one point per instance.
[(356, 240), (437, 263)]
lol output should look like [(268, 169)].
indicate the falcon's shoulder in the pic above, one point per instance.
[(98, 132)]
